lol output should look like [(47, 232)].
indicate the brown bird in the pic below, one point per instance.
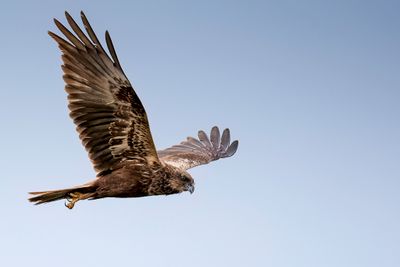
[(114, 129)]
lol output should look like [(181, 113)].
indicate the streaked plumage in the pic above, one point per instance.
[(114, 129)]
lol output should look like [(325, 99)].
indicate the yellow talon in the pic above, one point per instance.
[(72, 199)]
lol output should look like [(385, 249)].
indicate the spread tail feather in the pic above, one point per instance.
[(53, 195)]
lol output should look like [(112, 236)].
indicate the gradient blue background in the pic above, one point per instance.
[(311, 89)]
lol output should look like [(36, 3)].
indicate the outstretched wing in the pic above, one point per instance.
[(111, 121), (194, 152)]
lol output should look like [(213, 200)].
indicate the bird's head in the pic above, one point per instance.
[(182, 181)]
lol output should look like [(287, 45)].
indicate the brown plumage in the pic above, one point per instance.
[(113, 126)]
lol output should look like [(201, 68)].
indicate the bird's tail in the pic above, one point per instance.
[(71, 194)]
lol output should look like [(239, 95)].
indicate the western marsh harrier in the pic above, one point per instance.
[(113, 126)]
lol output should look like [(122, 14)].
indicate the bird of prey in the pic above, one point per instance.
[(114, 129)]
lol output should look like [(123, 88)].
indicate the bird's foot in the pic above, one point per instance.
[(72, 199)]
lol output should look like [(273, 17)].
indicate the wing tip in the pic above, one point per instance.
[(220, 143), (56, 21), (231, 150)]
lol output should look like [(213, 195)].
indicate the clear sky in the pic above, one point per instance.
[(310, 88)]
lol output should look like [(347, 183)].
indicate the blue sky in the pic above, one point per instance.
[(310, 88)]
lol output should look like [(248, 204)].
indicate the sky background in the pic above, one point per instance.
[(310, 88)]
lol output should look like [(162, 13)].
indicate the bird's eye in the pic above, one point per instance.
[(184, 178)]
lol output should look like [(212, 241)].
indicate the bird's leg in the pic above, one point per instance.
[(75, 197)]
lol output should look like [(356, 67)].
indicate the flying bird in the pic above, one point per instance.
[(114, 129)]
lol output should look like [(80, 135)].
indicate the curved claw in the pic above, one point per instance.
[(70, 200), (70, 203)]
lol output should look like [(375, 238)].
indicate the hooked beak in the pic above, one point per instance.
[(190, 188)]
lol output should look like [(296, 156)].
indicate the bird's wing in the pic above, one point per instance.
[(111, 121), (194, 152)]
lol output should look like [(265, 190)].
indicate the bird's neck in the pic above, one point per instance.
[(161, 183)]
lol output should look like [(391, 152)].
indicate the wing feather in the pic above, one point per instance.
[(110, 46), (215, 136), (194, 152), (231, 149), (225, 139)]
